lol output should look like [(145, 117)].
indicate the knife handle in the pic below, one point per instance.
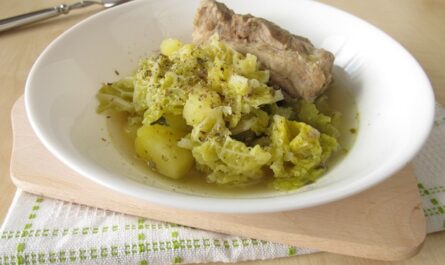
[(28, 18)]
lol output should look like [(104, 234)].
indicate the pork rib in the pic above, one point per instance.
[(295, 64)]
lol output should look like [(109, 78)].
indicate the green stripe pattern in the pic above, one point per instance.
[(52, 232)]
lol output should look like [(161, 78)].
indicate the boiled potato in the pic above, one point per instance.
[(157, 144), (170, 46), (198, 105), (176, 122)]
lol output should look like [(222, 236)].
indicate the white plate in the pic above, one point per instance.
[(393, 95)]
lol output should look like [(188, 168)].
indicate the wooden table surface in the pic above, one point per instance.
[(419, 25)]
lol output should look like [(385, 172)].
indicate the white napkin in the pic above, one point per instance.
[(45, 231), (429, 168), (42, 230)]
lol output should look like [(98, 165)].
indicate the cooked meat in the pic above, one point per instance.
[(295, 64)]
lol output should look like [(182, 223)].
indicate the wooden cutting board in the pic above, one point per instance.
[(385, 222)]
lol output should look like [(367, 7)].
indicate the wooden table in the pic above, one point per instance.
[(416, 24)]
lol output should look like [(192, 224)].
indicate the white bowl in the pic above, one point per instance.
[(393, 95)]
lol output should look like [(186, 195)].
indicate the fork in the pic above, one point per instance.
[(28, 18)]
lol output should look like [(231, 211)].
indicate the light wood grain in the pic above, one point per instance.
[(385, 222), (416, 24)]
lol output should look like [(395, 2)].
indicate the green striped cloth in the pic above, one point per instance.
[(45, 231)]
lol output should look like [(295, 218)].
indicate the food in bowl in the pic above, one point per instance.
[(208, 106), (61, 88)]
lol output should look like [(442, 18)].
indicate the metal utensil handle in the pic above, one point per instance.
[(31, 17)]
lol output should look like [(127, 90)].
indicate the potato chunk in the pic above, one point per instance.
[(198, 105), (170, 46), (177, 122), (157, 144)]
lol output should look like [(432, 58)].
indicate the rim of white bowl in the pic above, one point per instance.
[(237, 205)]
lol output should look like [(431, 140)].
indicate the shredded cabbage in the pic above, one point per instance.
[(228, 161), (117, 96), (240, 130)]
